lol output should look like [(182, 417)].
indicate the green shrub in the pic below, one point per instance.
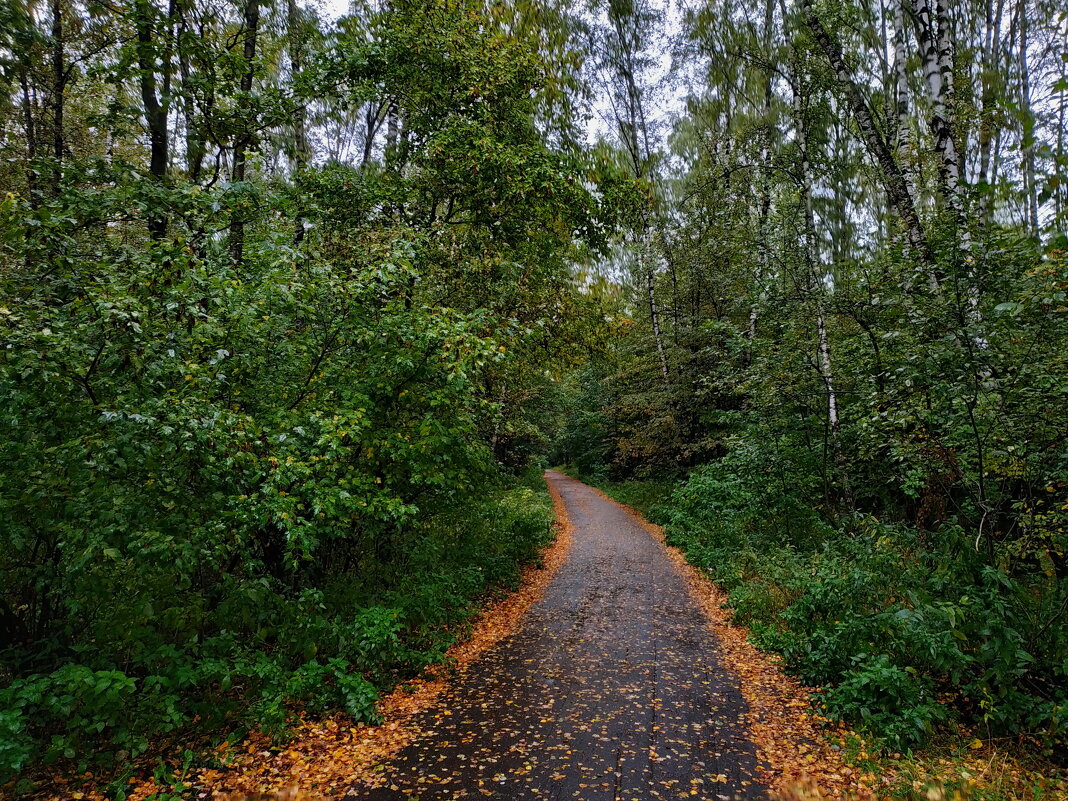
[(322, 650), (883, 615), (894, 704)]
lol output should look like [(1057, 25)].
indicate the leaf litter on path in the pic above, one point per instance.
[(328, 756), (792, 742)]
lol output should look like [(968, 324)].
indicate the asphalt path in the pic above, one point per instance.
[(610, 690)]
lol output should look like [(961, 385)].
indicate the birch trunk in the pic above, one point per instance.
[(833, 418), (893, 178), (901, 98), (935, 36), (1060, 192), (392, 128)]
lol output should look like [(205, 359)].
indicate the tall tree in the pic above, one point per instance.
[(146, 17), (245, 136)]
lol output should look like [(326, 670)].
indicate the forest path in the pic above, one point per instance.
[(611, 688)]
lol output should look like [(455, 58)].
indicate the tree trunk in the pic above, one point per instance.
[(935, 36), (763, 246), (814, 280), (654, 314), (827, 372), (992, 51), (59, 89), (155, 110), (298, 32), (1061, 191), (195, 146), (373, 116), (237, 224), (893, 179), (1027, 116), (392, 129), (901, 97), (32, 189)]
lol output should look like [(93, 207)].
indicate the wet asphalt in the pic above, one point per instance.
[(610, 690)]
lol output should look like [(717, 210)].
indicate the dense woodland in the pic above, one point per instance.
[(294, 309)]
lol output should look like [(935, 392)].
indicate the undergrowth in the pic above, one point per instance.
[(270, 652), (929, 648), (907, 632)]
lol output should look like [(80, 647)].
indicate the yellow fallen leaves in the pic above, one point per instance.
[(333, 755)]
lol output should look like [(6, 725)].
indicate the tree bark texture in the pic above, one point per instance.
[(237, 225)]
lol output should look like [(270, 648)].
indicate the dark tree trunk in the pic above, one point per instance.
[(301, 147), (155, 110), (244, 139), (31, 139), (195, 147), (59, 88)]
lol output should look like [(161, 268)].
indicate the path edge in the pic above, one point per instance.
[(796, 760), (362, 749)]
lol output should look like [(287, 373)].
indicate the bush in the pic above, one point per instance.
[(324, 650), (891, 619), (894, 703)]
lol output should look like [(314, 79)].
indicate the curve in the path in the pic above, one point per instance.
[(611, 689)]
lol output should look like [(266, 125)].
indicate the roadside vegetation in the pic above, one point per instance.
[(846, 360)]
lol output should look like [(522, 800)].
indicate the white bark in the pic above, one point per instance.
[(878, 148), (901, 95), (1028, 120), (936, 52)]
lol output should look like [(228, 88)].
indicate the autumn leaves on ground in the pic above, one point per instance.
[(614, 672)]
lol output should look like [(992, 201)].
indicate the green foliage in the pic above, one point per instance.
[(242, 483), (319, 653), (888, 700), (873, 438), (905, 628)]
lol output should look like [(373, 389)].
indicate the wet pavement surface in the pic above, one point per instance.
[(610, 689)]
